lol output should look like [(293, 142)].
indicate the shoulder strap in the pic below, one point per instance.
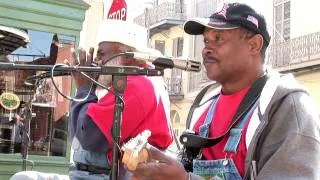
[(247, 102), (196, 103)]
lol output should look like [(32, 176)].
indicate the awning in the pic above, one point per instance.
[(11, 39)]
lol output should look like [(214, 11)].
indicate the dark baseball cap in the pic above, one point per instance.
[(231, 16)]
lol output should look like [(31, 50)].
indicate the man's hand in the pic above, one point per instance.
[(159, 167), (84, 60)]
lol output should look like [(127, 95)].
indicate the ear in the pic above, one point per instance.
[(255, 44)]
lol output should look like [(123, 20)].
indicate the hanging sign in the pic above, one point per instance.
[(118, 10), (9, 101)]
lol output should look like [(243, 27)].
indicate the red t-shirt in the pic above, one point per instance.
[(146, 106), (225, 109)]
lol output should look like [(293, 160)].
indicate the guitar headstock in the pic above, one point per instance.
[(134, 151)]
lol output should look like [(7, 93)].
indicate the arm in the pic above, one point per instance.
[(290, 144), (82, 126)]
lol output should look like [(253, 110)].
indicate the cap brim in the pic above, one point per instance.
[(196, 26)]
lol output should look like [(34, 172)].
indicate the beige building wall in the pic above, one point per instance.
[(180, 106), (168, 36), (94, 15), (303, 18), (311, 81)]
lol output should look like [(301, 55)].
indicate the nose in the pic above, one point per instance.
[(206, 51)]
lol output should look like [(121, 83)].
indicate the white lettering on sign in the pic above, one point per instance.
[(120, 14)]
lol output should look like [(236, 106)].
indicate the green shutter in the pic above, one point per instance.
[(56, 16)]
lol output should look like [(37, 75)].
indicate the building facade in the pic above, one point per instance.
[(296, 46)]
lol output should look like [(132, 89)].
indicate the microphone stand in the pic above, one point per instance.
[(25, 135), (111, 70), (119, 82)]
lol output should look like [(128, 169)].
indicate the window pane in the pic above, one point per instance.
[(180, 47), (40, 107), (278, 32), (160, 45), (286, 29), (279, 12), (287, 10)]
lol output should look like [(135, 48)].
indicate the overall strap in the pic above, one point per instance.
[(196, 103), (236, 132), (204, 128), (246, 104)]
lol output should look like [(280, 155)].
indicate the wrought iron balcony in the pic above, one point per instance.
[(174, 88), (197, 81), (162, 17), (296, 54)]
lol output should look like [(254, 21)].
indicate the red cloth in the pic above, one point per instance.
[(143, 109), (225, 109)]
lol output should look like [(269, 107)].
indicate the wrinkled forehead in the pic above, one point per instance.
[(230, 32), (221, 30)]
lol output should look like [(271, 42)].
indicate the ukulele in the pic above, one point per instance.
[(135, 150)]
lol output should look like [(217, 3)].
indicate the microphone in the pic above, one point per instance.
[(167, 62)]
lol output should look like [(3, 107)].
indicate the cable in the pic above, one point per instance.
[(88, 77), (93, 81), (79, 100), (91, 87), (61, 93), (109, 90)]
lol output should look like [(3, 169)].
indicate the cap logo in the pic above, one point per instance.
[(253, 20), (223, 11)]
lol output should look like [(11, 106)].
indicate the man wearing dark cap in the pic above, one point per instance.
[(258, 124)]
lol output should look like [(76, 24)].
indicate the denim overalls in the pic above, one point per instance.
[(88, 157), (221, 168)]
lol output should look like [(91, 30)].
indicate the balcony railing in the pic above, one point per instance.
[(295, 51), (164, 11), (174, 86)]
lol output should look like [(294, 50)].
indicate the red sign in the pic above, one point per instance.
[(118, 10)]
